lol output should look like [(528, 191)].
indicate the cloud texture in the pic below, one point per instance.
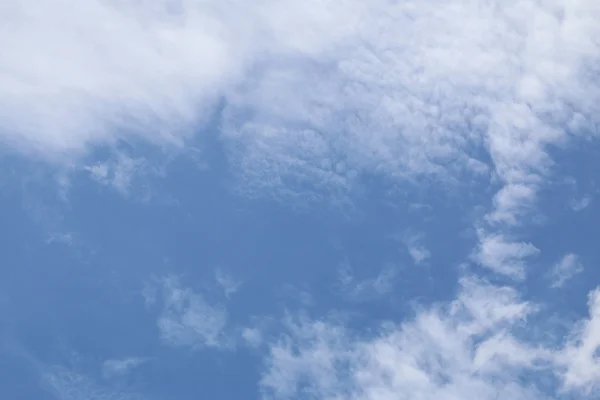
[(321, 94), (481, 345), (310, 87)]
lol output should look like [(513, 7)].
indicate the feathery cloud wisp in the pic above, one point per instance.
[(478, 346)]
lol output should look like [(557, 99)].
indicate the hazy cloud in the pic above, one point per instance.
[(565, 269), (313, 91), (366, 289), (315, 95), (67, 384), (580, 204), (417, 251), (228, 284), (580, 358), (503, 255), (121, 366)]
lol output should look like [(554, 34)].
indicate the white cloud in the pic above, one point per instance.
[(477, 346), (503, 255), (315, 93), (511, 202), (252, 336), (320, 92), (59, 237), (120, 367), (580, 204), (258, 332), (227, 282), (417, 251), (117, 173), (568, 266), (100, 71), (298, 295), (187, 319), (450, 352), (68, 384), (581, 356), (407, 102), (366, 289)]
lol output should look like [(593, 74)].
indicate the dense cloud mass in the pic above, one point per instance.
[(315, 96), (398, 86)]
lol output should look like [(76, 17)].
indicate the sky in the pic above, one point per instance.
[(291, 199)]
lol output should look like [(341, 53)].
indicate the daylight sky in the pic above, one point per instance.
[(343, 199)]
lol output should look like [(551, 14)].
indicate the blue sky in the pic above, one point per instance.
[(299, 200)]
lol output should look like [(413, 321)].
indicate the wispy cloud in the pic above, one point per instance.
[(118, 173), (580, 359), (417, 251), (313, 91), (313, 95), (565, 269), (63, 238), (503, 255), (228, 284), (68, 384), (187, 319), (317, 94), (476, 346), (580, 204), (366, 289), (119, 367), (511, 202), (129, 175), (252, 336)]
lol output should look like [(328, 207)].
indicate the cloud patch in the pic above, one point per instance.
[(228, 283), (477, 346), (120, 367), (581, 203), (503, 255), (188, 319), (581, 357), (367, 289), (312, 92), (565, 269), (68, 384), (417, 251)]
